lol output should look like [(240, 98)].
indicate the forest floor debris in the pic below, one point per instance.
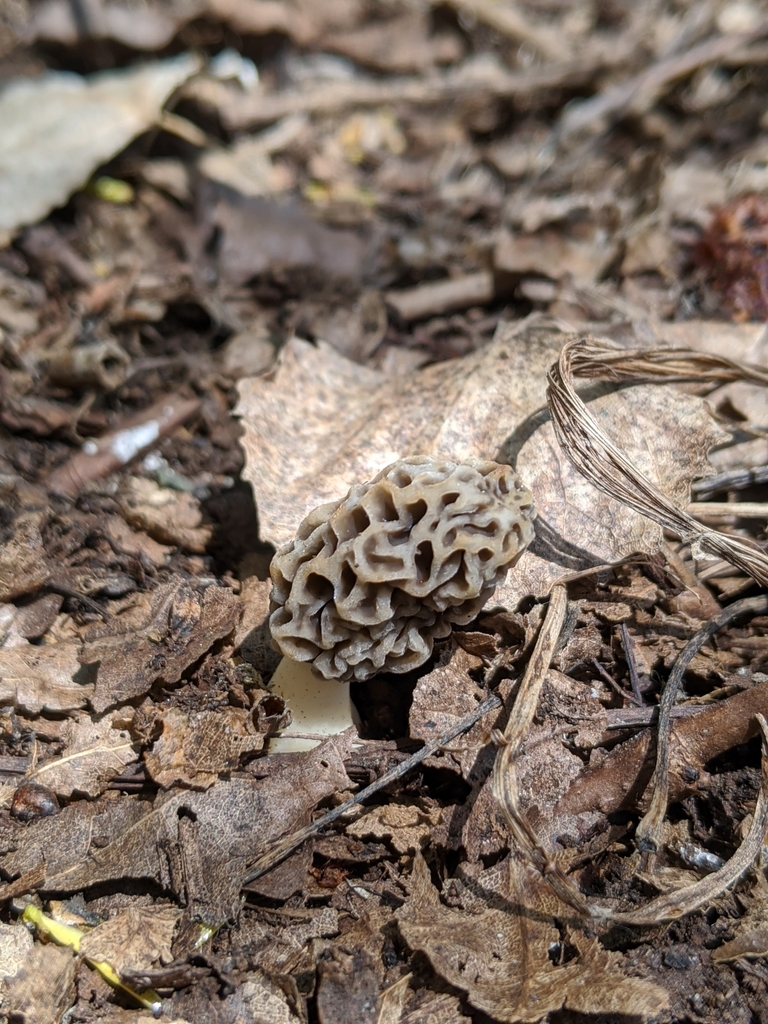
[(253, 253)]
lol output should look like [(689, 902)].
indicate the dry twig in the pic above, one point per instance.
[(508, 20), (436, 297), (277, 853), (117, 448), (249, 110)]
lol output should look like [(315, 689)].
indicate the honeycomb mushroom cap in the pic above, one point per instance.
[(369, 582)]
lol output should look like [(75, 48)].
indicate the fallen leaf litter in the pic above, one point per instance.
[(584, 754)]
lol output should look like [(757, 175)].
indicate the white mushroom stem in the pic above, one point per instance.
[(317, 707)]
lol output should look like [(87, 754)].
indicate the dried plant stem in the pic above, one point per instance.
[(504, 774), (111, 451), (605, 465), (731, 480), (249, 110), (648, 833), (663, 908), (729, 509)]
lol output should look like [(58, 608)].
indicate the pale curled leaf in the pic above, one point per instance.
[(94, 752), (46, 678), (59, 127), (135, 939), (320, 424)]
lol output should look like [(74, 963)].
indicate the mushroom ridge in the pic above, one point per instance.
[(372, 580)]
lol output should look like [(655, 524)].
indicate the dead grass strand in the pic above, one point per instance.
[(603, 463)]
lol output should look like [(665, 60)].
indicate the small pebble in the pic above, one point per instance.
[(31, 801)]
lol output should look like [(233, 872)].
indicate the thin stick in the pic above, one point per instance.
[(277, 853), (249, 110), (732, 479), (629, 653), (111, 451), (727, 509)]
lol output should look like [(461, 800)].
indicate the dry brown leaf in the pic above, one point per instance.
[(94, 753), (496, 949), (408, 828), (44, 986), (254, 597), (353, 328), (143, 28), (568, 711), (262, 1000), (258, 235), (348, 987), (195, 749), (552, 254), (157, 642), (402, 43), (23, 565), (444, 695), (322, 423), (252, 639), (134, 542), (689, 191), (36, 617), (249, 352), (746, 343), (61, 840), (46, 678), (279, 952), (435, 1008), (170, 517), (15, 945), (134, 939), (751, 939), (568, 715), (218, 832)]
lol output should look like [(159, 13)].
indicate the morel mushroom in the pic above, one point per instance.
[(371, 581)]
